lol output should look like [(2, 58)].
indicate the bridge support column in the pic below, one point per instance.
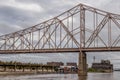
[(82, 68)]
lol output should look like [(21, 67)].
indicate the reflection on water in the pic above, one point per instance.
[(91, 76), (82, 77)]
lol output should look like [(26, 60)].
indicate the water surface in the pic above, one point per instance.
[(91, 76)]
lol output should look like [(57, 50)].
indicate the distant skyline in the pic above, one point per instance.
[(20, 14)]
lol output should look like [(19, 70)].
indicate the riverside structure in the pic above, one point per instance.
[(104, 66), (50, 67)]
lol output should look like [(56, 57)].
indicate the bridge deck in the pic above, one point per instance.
[(60, 50)]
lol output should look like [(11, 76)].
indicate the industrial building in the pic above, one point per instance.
[(103, 66)]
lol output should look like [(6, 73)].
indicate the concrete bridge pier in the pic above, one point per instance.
[(82, 67)]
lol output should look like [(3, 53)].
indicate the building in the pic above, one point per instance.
[(70, 67), (104, 66), (72, 64), (55, 63)]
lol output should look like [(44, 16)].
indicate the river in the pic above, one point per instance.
[(91, 76)]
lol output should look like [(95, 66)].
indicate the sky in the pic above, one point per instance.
[(20, 14)]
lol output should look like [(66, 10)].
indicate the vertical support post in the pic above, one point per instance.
[(5, 68), (23, 69), (42, 69), (5, 44), (32, 40), (47, 68), (82, 26), (82, 69), (30, 69), (15, 67), (109, 33), (37, 69), (13, 42), (53, 68)]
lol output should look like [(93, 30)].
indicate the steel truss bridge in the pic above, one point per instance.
[(79, 29)]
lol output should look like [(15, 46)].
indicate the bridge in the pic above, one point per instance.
[(80, 29)]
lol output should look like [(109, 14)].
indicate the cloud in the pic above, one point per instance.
[(23, 6), (40, 58), (6, 27)]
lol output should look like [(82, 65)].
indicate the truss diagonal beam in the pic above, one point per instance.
[(98, 29), (68, 32), (50, 36), (117, 39)]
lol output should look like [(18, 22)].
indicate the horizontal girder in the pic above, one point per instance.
[(61, 50)]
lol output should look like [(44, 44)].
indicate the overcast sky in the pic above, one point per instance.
[(20, 14)]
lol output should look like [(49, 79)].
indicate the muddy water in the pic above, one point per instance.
[(91, 76)]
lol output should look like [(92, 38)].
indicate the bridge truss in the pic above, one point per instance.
[(81, 28)]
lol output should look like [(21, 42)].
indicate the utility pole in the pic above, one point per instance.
[(94, 59)]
